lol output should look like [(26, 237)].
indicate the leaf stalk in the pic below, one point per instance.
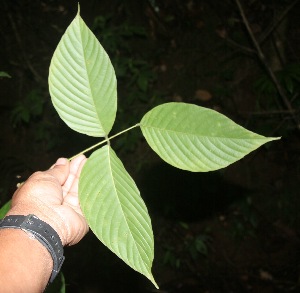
[(107, 139)]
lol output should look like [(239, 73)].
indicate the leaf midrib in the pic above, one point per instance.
[(202, 136), (86, 73), (110, 169)]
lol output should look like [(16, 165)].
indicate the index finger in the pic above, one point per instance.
[(71, 184)]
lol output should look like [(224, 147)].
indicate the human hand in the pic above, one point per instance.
[(52, 196)]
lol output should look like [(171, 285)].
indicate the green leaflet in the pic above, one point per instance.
[(4, 209), (197, 139), (82, 82), (4, 74), (115, 211)]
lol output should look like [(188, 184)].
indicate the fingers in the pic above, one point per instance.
[(44, 185), (71, 184), (77, 164), (60, 170)]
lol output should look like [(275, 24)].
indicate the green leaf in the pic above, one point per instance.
[(82, 82), (115, 211), (4, 209), (4, 74), (197, 139)]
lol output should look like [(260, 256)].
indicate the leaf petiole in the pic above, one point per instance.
[(104, 141)]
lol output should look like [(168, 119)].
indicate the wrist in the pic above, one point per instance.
[(42, 232), (45, 214)]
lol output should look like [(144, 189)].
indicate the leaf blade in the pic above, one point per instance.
[(197, 139), (82, 82), (4, 209), (115, 211), (4, 74)]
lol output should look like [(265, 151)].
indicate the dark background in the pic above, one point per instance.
[(233, 230)]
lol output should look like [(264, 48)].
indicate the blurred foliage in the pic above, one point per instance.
[(271, 26), (28, 109), (186, 248), (245, 220), (32, 113), (4, 74), (198, 245), (289, 77)]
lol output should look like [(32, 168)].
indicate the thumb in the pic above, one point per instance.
[(60, 170)]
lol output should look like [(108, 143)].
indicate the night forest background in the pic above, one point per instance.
[(233, 230)]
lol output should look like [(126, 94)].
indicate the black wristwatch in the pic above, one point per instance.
[(42, 232)]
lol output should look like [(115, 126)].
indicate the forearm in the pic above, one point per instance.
[(25, 264)]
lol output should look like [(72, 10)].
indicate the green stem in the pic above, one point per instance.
[(104, 141)]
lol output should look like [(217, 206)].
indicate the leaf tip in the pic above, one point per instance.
[(275, 138), (151, 278), (78, 12)]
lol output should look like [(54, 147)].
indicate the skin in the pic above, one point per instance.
[(52, 196)]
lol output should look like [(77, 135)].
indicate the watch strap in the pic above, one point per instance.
[(42, 232)]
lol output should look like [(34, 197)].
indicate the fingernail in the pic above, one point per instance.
[(61, 162)]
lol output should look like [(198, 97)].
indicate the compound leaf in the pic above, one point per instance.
[(197, 139), (115, 211), (82, 82)]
